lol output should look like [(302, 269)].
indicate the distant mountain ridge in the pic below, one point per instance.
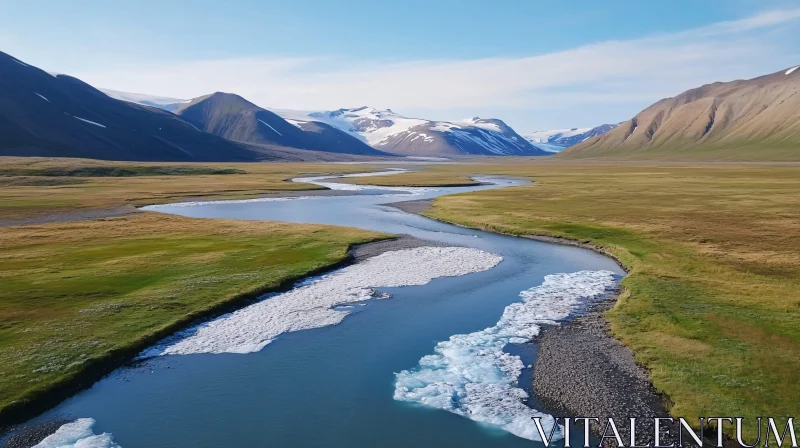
[(397, 134), (234, 118), (55, 115), (755, 119), (558, 139), (382, 130), (61, 116)]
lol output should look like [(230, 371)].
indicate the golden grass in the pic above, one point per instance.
[(712, 306), (31, 196)]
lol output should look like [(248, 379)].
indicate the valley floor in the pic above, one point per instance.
[(711, 306)]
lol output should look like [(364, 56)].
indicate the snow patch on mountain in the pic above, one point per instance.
[(297, 123), (559, 139), (444, 126), (553, 134), (483, 124), (89, 121), (791, 70), (270, 126)]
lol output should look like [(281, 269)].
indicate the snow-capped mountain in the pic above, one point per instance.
[(557, 139), (391, 132)]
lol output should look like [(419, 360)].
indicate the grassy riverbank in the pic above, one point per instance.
[(712, 303), (78, 294), (32, 187)]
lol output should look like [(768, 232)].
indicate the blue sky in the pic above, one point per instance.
[(535, 64)]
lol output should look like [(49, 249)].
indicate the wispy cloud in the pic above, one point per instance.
[(631, 72)]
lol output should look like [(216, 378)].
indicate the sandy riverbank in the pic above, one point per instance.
[(416, 207)]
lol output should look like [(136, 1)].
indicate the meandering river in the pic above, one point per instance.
[(427, 367)]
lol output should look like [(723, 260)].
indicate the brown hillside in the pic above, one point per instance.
[(756, 119)]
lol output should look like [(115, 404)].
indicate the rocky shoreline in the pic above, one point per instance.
[(30, 436), (581, 370), (361, 252)]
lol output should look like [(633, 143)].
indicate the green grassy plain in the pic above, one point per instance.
[(712, 303), (75, 294)]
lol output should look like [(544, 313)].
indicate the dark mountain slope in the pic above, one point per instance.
[(234, 118), (61, 116)]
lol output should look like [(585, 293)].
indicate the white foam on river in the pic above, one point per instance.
[(78, 434), (470, 374), (317, 303)]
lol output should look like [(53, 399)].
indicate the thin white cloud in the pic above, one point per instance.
[(766, 19), (632, 72)]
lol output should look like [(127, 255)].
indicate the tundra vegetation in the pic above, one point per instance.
[(33, 186)]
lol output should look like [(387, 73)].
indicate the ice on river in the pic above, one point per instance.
[(77, 434), (318, 303), (472, 376)]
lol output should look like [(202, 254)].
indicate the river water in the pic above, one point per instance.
[(334, 386)]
